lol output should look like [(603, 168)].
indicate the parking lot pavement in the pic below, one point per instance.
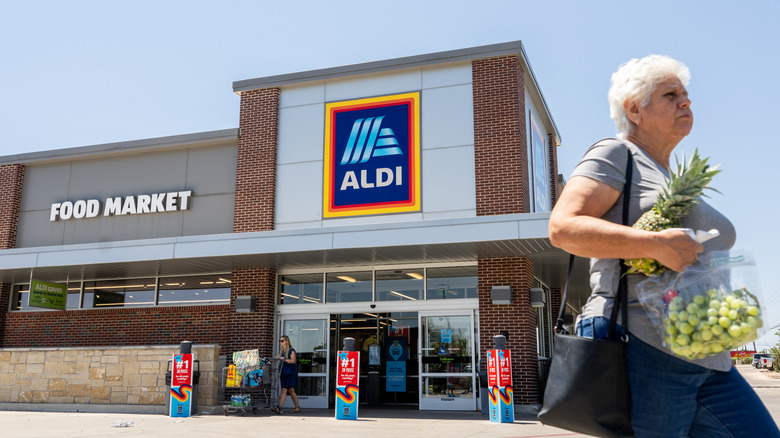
[(767, 385), (312, 422), (309, 423)]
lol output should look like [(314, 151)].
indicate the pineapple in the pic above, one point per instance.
[(676, 200)]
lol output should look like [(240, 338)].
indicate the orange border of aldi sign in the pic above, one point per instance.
[(372, 156)]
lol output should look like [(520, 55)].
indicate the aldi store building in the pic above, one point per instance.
[(402, 202)]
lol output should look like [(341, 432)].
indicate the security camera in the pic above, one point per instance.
[(373, 306)]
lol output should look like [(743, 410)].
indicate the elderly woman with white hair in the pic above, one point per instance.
[(671, 396)]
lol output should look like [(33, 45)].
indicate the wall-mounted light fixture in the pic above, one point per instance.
[(537, 297), (501, 294), (245, 304)]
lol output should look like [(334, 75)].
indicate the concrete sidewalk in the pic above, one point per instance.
[(311, 422)]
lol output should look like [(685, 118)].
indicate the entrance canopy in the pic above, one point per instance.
[(429, 241)]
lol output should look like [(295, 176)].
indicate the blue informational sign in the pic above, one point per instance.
[(396, 376), (446, 336), (395, 366)]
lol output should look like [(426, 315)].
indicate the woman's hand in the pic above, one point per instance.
[(676, 249)]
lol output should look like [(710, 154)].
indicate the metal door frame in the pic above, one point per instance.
[(448, 403), (307, 401)]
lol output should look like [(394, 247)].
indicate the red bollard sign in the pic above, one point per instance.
[(181, 386), (499, 363), (347, 390)]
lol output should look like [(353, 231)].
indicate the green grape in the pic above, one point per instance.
[(709, 324)]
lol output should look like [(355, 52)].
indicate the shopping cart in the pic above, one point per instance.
[(249, 388)]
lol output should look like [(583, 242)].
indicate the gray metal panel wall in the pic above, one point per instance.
[(208, 171)]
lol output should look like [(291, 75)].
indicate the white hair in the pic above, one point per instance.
[(635, 81)]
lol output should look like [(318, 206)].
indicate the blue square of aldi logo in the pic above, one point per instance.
[(372, 156)]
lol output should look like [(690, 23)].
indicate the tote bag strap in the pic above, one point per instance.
[(621, 298)]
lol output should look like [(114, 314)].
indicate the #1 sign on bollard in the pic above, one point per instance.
[(347, 385), (500, 390), (181, 385)]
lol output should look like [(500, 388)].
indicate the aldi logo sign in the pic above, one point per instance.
[(372, 156)]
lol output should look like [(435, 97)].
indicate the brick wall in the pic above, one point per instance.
[(11, 182), (255, 329), (256, 168), (518, 318), (500, 146), (117, 327), (254, 211)]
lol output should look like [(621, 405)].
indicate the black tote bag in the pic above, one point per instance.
[(587, 388)]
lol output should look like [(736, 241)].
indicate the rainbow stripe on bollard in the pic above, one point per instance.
[(500, 392)]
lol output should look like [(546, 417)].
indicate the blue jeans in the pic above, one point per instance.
[(674, 398), (596, 328)]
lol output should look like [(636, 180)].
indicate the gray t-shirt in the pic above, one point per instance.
[(606, 162)]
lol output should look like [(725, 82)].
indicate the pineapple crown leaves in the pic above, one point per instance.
[(685, 185)]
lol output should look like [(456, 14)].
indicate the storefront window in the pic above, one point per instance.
[(349, 287), (399, 285), (452, 283), (119, 293), (21, 296), (194, 291), (406, 284), (301, 289)]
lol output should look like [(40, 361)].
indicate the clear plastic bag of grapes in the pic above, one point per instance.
[(710, 307)]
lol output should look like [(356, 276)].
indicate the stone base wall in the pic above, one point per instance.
[(100, 375)]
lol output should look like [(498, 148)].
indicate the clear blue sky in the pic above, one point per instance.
[(78, 73)]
